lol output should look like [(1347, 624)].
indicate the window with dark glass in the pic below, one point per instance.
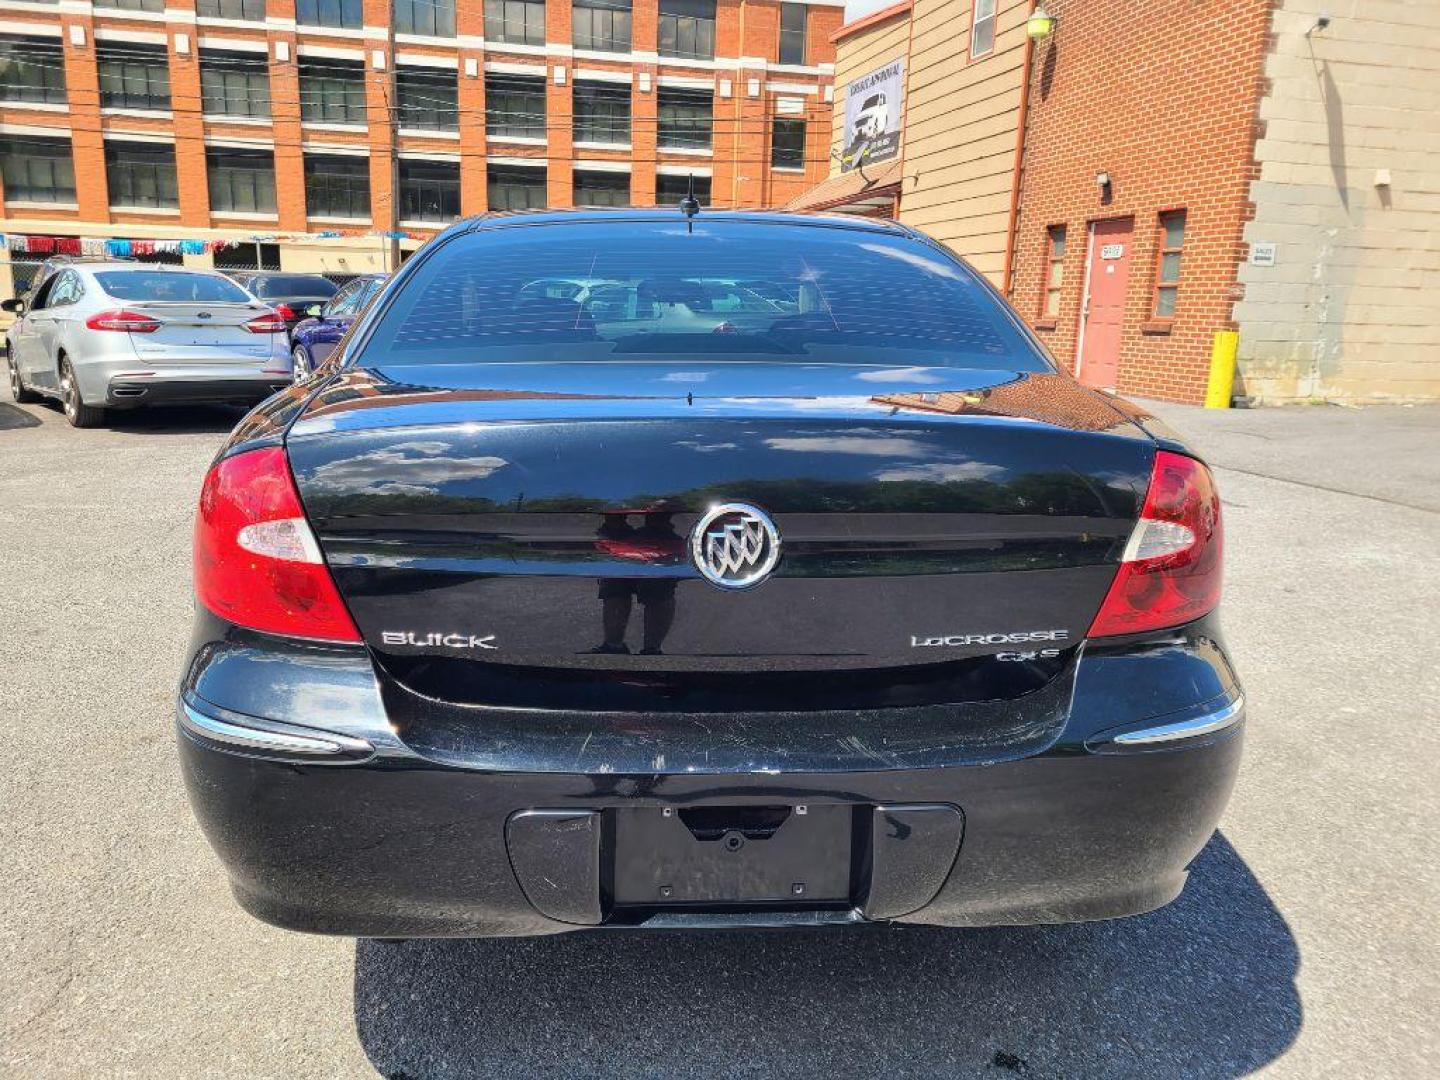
[(687, 29), (686, 118), (136, 5), (1167, 271), (515, 22), (428, 98), (516, 188), (141, 174), (337, 186), (594, 188), (670, 189), (781, 294), (515, 106), (787, 143), (982, 29), (234, 83), (332, 91), (241, 181), (33, 70), (133, 75), (429, 190), (37, 169), (792, 33), (602, 112), (67, 290), (430, 18), (346, 14), (602, 25), (1054, 271), (249, 10), (347, 300)]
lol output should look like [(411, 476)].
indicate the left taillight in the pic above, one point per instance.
[(256, 561), (1170, 570), (272, 322), (286, 312), (123, 321)]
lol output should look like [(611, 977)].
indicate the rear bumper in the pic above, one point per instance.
[(354, 834), (131, 393), (113, 375)]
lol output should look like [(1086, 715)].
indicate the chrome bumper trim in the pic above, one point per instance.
[(1194, 727), (268, 740)]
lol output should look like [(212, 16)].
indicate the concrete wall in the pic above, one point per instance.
[(960, 129), (1351, 308)]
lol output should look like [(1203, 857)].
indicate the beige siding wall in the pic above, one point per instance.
[(960, 129), (858, 54), (1350, 308)]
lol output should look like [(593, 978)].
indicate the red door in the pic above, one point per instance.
[(1104, 311)]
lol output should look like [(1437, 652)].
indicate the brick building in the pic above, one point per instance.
[(269, 122), (1152, 173), (1154, 252)]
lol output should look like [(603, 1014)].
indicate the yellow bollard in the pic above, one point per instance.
[(1222, 369)]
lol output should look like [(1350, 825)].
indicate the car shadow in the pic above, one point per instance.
[(1202, 988), (12, 417), (175, 420)]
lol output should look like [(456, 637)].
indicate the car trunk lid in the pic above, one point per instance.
[(200, 333), (503, 541)]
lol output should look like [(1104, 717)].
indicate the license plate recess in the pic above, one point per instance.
[(721, 855)]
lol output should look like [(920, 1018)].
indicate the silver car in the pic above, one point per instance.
[(101, 335)]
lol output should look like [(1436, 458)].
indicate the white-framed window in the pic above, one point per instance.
[(982, 29)]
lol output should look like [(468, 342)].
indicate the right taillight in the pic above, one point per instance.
[(256, 562), (272, 322), (1170, 570)]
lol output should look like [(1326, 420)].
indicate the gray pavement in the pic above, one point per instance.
[(1305, 943)]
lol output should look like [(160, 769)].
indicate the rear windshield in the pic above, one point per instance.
[(731, 290), (169, 285), (293, 285)]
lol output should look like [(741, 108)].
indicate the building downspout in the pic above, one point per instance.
[(391, 247), (738, 129), (897, 204), (1010, 232)]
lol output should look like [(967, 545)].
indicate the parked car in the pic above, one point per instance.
[(120, 335), (578, 289), (322, 326), (525, 616), (687, 305), (289, 294)]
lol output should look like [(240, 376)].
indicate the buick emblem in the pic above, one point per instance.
[(735, 546)]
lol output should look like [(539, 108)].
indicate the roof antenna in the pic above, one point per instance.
[(690, 205)]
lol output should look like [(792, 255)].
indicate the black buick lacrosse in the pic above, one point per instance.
[(653, 568)]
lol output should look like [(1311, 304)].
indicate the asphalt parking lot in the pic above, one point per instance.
[(1305, 944)]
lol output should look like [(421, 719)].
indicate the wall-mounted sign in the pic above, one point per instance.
[(1112, 251), (874, 104), (1263, 254)]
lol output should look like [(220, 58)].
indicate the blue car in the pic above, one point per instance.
[(315, 337)]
